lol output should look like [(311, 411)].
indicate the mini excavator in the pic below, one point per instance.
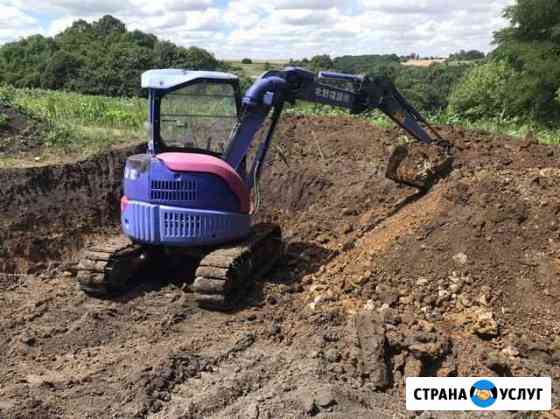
[(190, 194)]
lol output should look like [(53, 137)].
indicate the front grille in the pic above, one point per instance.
[(173, 190), (180, 225)]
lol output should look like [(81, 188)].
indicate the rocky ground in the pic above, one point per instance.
[(378, 283)]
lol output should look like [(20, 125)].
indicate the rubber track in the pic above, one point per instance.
[(227, 270), (105, 267)]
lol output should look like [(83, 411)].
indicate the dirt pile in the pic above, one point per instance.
[(461, 278), (378, 283)]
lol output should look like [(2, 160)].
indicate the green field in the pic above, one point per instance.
[(257, 67), (75, 123), (83, 124)]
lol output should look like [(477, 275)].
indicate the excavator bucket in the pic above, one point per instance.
[(418, 165)]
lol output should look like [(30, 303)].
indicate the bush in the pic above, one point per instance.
[(484, 92), (6, 94), (467, 55), (246, 61), (4, 121)]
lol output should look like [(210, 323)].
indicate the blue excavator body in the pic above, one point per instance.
[(190, 195)]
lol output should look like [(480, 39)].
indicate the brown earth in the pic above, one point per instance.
[(49, 210), (424, 63), (378, 283), (19, 132)]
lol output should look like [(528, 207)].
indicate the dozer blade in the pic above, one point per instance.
[(418, 165)]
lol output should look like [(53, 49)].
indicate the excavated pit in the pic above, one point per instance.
[(49, 210), (379, 282)]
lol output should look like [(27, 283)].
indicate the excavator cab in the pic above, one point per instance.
[(191, 111)]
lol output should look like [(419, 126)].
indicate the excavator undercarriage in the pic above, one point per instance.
[(111, 267)]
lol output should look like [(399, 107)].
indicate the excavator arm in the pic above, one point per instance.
[(357, 94)]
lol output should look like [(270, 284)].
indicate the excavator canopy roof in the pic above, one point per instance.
[(170, 78)]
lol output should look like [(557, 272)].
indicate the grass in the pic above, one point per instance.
[(513, 128), (79, 124), (82, 124), (83, 110), (257, 67)]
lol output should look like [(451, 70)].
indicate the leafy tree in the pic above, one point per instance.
[(523, 77), (195, 58), (531, 47), (61, 68), (22, 62), (470, 55), (96, 58), (428, 88), (531, 20), (363, 64), (108, 25), (483, 93), (246, 61), (321, 62)]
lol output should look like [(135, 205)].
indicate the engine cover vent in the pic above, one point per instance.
[(174, 190)]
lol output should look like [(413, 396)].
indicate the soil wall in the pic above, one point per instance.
[(47, 211)]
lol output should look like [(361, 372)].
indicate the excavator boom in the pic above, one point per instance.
[(357, 94)]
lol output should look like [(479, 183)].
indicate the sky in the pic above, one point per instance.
[(278, 29)]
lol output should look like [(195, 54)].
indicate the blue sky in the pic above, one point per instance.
[(278, 29)]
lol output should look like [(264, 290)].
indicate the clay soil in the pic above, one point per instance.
[(378, 282)]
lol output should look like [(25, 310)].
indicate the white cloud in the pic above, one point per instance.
[(186, 5), (308, 4), (73, 7), (304, 17), (15, 24), (280, 28)]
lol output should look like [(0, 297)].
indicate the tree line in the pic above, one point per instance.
[(100, 58), (428, 88), (519, 80)]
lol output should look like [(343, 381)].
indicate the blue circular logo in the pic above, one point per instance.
[(484, 393)]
